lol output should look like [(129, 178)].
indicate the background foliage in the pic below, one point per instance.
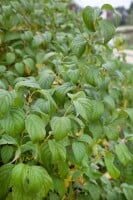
[(66, 109)]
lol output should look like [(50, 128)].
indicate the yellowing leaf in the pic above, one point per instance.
[(112, 170)]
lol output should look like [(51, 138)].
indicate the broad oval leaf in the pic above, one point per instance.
[(61, 126), (5, 179), (97, 110), (35, 128), (123, 154), (127, 190), (89, 18), (79, 45), (10, 58), (7, 153), (83, 107), (29, 65), (92, 76), (31, 180), (57, 150), (107, 7), (107, 29), (7, 139), (46, 78), (31, 83), (5, 102), (46, 156), (96, 129), (129, 111), (19, 68), (13, 123), (109, 102), (79, 151), (59, 186), (89, 109), (61, 91), (74, 75), (39, 180)]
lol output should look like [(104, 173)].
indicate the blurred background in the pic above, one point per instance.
[(124, 36)]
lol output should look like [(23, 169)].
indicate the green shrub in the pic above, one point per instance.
[(66, 109)]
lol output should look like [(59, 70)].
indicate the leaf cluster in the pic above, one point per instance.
[(66, 109)]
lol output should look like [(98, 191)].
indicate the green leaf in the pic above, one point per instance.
[(83, 107), (46, 106), (48, 56), (40, 56), (113, 171), (94, 191), (123, 153), (57, 150), (96, 129), (79, 151), (10, 58), (97, 110), (29, 64), (17, 175), (5, 102), (61, 126), (35, 128), (79, 45), (89, 18), (19, 68), (61, 91), (13, 123), (7, 139), (109, 102), (43, 106), (53, 196), (37, 41), (2, 68), (31, 180), (107, 29), (117, 18), (31, 83), (46, 156), (74, 75), (127, 190), (111, 131), (85, 138), (27, 35), (88, 109), (107, 7), (39, 180), (59, 186), (77, 95), (5, 178), (92, 76), (11, 35), (129, 111), (63, 169), (46, 78), (7, 153)]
